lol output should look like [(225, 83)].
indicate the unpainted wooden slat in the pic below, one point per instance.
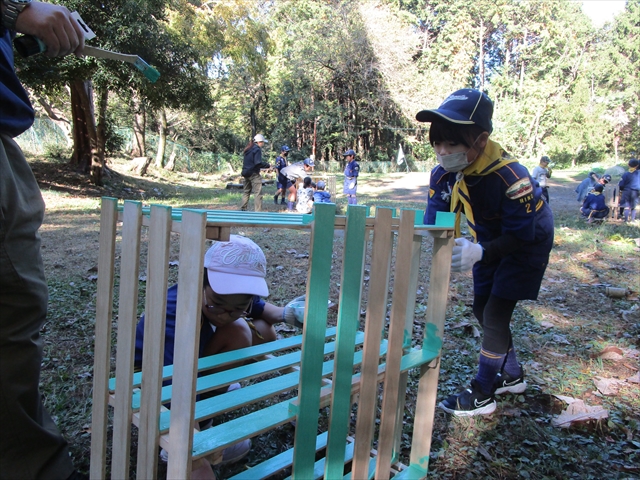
[(125, 346), (318, 281), (409, 316), (188, 314), (348, 323), (381, 251), (153, 346), (102, 347), (434, 331), (397, 334)]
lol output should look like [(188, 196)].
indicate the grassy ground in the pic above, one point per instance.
[(569, 339)]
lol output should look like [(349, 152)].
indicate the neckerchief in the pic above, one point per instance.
[(632, 169), (489, 161)]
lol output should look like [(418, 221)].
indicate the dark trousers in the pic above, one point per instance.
[(252, 184), (31, 446)]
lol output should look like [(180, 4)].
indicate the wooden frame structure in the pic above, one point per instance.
[(332, 367)]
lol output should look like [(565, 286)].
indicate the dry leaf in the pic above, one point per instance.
[(607, 386), (634, 379), (579, 412)]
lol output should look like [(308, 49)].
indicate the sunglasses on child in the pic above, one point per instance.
[(239, 304)]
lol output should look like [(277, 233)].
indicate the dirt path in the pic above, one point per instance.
[(415, 186)]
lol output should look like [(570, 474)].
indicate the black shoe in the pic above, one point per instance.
[(505, 383), (470, 402), (283, 202)]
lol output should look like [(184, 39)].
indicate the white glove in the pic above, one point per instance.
[(293, 313), (465, 255)]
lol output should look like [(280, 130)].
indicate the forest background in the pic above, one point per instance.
[(323, 76)]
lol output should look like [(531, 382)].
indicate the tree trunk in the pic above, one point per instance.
[(139, 127), (171, 164), (85, 136), (481, 55), (162, 138), (102, 123)]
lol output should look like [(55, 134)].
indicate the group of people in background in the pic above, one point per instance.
[(297, 198), (590, 192)]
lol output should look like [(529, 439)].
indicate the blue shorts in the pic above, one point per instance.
[(629, 198), (518, 276)]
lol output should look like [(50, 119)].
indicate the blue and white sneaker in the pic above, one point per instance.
[(469, 402)]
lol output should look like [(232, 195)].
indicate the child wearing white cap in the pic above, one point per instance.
[(233, 314)]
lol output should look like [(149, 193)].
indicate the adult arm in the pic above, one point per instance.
[(53, 25)]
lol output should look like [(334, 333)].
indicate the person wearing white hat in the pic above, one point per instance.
[(251, 172), (233, 314)]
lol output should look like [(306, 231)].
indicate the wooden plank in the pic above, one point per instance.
[(153, 347), (102, 347), (188, 313), (374, 323), (127, 319), (409, 314), (434, 332), (318, 282), (397, 334), (348, 322)]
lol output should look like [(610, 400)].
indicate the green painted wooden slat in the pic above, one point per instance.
[(319, 466), (275, 464), (412, 472), (244, 372), (240, 355), (348, 323), (318, 282), (445, 219), (253, 393), (233, 431)]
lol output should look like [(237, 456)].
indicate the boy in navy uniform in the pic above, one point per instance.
[(629, 190), (351, 172), (512, 229), (283, 183), (594, 206)]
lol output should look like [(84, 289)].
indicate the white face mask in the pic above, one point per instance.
[(453, 162)]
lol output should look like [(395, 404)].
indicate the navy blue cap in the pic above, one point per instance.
[(284, 148), (309, 162), (464, 107), (348, 152), (633, 163)]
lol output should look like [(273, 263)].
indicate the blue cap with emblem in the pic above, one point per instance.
[(464, 107)]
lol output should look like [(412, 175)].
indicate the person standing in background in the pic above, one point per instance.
[(31, 446), (540, 174), (351, 172), (251, 173), (629, 190), (283, 183)]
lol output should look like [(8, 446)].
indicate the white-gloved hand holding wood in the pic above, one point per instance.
[(465, 255)]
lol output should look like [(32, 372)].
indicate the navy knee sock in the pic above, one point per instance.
[(489, 365)]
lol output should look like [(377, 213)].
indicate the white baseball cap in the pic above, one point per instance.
[(259, 138), (237, 267)]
